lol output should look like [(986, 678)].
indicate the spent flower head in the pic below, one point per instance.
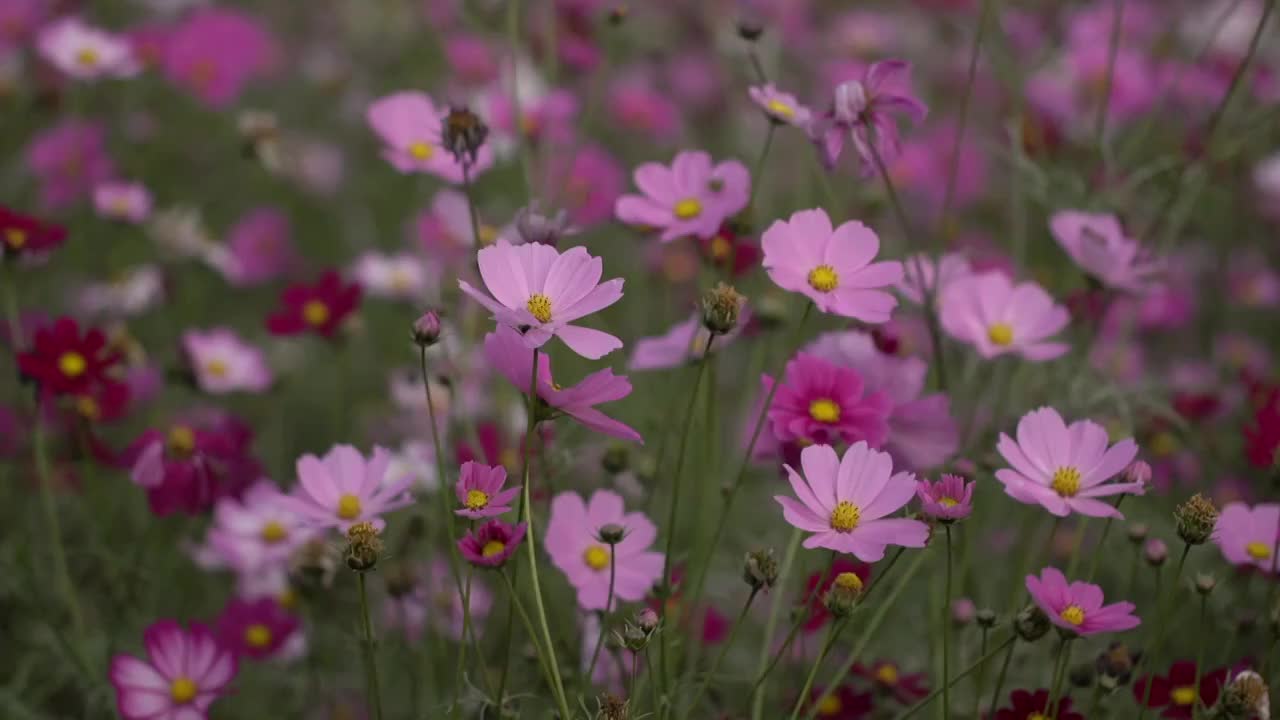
[(760, 569), (1196, 519), (721, 306)]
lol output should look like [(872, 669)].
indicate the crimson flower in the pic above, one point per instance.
[(66, 362), (1033, 706), (1262, 436), (730, 248), (23, 234), (843, 703), (320, 308), (1177, 692), (888, 678)]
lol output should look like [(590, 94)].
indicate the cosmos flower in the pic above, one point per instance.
[(223, 363), (591, 180), (996, 317), (574, 548), (781, 107), (1027, 705), (1247, 535), (681, 344), (129, 202), (65, 361), (1077, 607), (257, 629), (194, 463), (410, 125), (693, 197), (344, 488), (919, 274), (185, 672), (319, 308), (818, 612), (256, 531), (819, 402), (398, 277), (843, 703), (259, 248), (831, 267), (69, 160), (479, 491), (947, 500), (538, 291), (846, 502), (21, 234), (866, 112), (1065, 468), (889, 679), (1176, 691), (215, 52), (1098, 244), (84, 52), (491, 544)]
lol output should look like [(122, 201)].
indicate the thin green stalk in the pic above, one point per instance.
[(1082, 527), (370, 657), (979, 680), (953, 171), (832, 633), (1094, 701), (608, 605), (1097, 552), (1004, 672), (761, 75), (1064, 657), (1204, 601), (1157, 634), (518, 609), (472, 213), (946, 635), (801, 616), (49, 504), (653, 681), (771, 625), (759, 166), (724, 650), (1113, 49), (977, 665)]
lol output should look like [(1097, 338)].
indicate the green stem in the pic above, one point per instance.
[(801, 616), (1064, 657), (788, 562), (980, 679), (832, 633), (1102, 539), (1157, 634), (518, 609), (1204, 601), (653, 681), (370, 657), (1113, 49), (1004, 672), (759, 166), (608, 605), (924, 702), (946, 635), (1081, 528), (1094, 701), (953, 171), (472, 213), (49, 503), (724, 650)]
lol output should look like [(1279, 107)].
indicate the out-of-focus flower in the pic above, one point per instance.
[(685, 342), (130, 202), (888, 679), (135, 291), (259, 248), (996, 317), (1247, 535), (194, 463), (320, 308), (1026, 705), (24, 234), (344, 488), (19, 19), (401, 276), (842, 703), (185, 672), (491, 544), (479, 491), (85, 52), (257, 531), (591, 181), (919, 275), (258, 629), (1262, 434), (65, 361), (432, 597), (1176, 692), (866, 111), (819, 402), (216, 51), (410, 127), (69, 159), (639, 107), (1077, 607), (947, 500), (693, 197), (781, 107), (224, 363), (574, 549), (1098, 244)]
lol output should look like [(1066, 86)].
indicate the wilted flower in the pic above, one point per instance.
[(534, 227), (1196, 519), (364, 546), (463, 133), (720, 308), (1115, 665), (1031, 623), (760, 569)]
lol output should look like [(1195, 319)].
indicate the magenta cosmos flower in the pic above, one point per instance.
[(85, 52), (255, 628), (507, 353), (480, 492), (223, 363), (693, 197), (574, 548), (866, 111), (185, 672), (781, 107), (69, 160), (831, 267), (1098, 244), (1247, 535), (846, 501), (409, 125), (318, 308), (344, 488), (996, 317), (125, 201), (538, 291), (948, 500), (1064, 467), (491, 544), (259, 248), (215, 52), (1078, 607), (819, 402)]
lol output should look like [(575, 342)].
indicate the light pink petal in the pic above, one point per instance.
[(503, 274), (598, 298), (894, 531), (852, 246), (589, 343), (1112, 463), (1093, 508), (166, 644), (896, 493), (604, 507), (572, 276), (806, 495), (821, 466), (800, 516)]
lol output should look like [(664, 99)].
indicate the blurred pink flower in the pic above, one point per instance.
[(258, 629), (1065, 468), (185, 672), (260, 248), (918, 275), (400, 277), (781, 107), (344, 488), (692, 197), (996, 317), (549, 117), (257, 531), (585, 560), (479, 491), (538, 291), (85, 52), (126, 201), (866, 111), (591, 180), (491, 544), (410, 126), (1251, 281), (846, 502), (19, 20), (685, 342), (199, 460), (69, 160), (320, 308), (923, 168), (1247, 535), (819, 402), (215, 52), (471, 58), (223, 363), (1077, 607), (444, 229), (1098, 244), (832, 268), (435, 599), (639, 107), (1070, 90)]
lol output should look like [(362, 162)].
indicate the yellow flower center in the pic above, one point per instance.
[(72, 364), (1183, 695), (477, 500), (824, 410), (688, 208), (539, 306), (848, 581), (1163, 444), (1073, 614), (721, 248), (596, 557), (183, 690), (1000, 334), (830, 705), (287, 599), (1258, 550), (781, 109), (421, 151), (491, 548), (273, 532), (948, 502), (349, 507), (400, 280), (887, 674), (87, 57), (88, 407), (487, 234), (1037, 716), (16, 238), (1066, 481), (216, 368), (823, 278), (257, 635), (182, 440), (315, 312), (845, 516)]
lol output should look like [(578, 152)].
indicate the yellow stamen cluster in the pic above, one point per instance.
[(887, 674), (257, 635), (183, 690), (824, 410), (1066, 481), (824, 278), (421, 151), (688, 208), (273, 532), (1183, 695), (349, 507), (1073, 614), (781, 109), (1000, 334), (216, 368), (596, 557), (830, 705), (539, 307), (182, 440), (491, 548), (845, 516), (477, 500), (15, 238), (1258, 550), (315, 312), (72, 364)]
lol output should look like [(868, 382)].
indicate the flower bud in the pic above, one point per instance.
[(426, 329), (1137, 532), (1196, 519), (721, 306), (633, 638), (534, 227), (1205, 583), (1155, 552), (963, 611), (986, 618), (612, 707), (647, 620), (616, 459), (463, 133), (1138, 472), (363, 547), (611, 534), (1081, 675), (760, 569), (1115, 665), (1031, 623), (1245, 696), (843, 595)]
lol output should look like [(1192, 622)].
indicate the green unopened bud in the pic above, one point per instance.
[(611, 534), (1196, 519), (1205, 583), (843, 596)]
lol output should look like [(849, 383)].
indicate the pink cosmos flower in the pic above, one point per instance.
[(1069, 91), (409, 125), (197, 461), (919, 274), (258, 629), (1247, 535), (693, 197), (471, 57), (507, 353), (344, 488), (681, 344), (846, 502), (491, 544), (782, 108), (1098, 244), (591, 180), (574, 548), (540, 290), (126, 201), (185, 672), (85, 52), (996, 317), (215, 52), (640, 108), (923, 169), (548, 117), (866, 111), (18, 20), (69, 160), (1063, 467), (946, 500), (819, 402), (260, 248), (257, 531), (479, 490), (832, 268), (400, 276), (1078, 607), (223, 363)]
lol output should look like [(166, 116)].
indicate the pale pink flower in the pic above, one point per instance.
[(126, 201), (258, 531), (1098, 244), (344, 488), (693, 197), (919, 273), (400, 276), (996, 317), (683, 343), (185, 672), (85, 52), (781, 107), (224, 363), (410, 126), (1247, 535), (479, 491), (575, 549)]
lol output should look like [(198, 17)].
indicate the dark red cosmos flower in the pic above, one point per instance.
[(818, 614), (318, 308), (889, 679), (255, 628), (1177, 693), (25, 234), (730, 248), (843, 704), (193, 464), (1033, 706), (65, 362), (1262, 436)]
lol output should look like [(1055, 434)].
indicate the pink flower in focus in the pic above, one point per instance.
[(258, 629), (693, 197), (866, 112), (69, 160), (1247, 535), (491, 544), (215, 52), (1098, 244), (507, 353), (410, 126), (996, 317), (781, 107), (538, 291), (344, 488), (947, 500), (823, 403), (846, 501), (585, 560), (1065, 468), (260, 248), (832, 268), (1078, 607), (84, 52), (126, 201), (185, 672), (223, 363), (479, 491)]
